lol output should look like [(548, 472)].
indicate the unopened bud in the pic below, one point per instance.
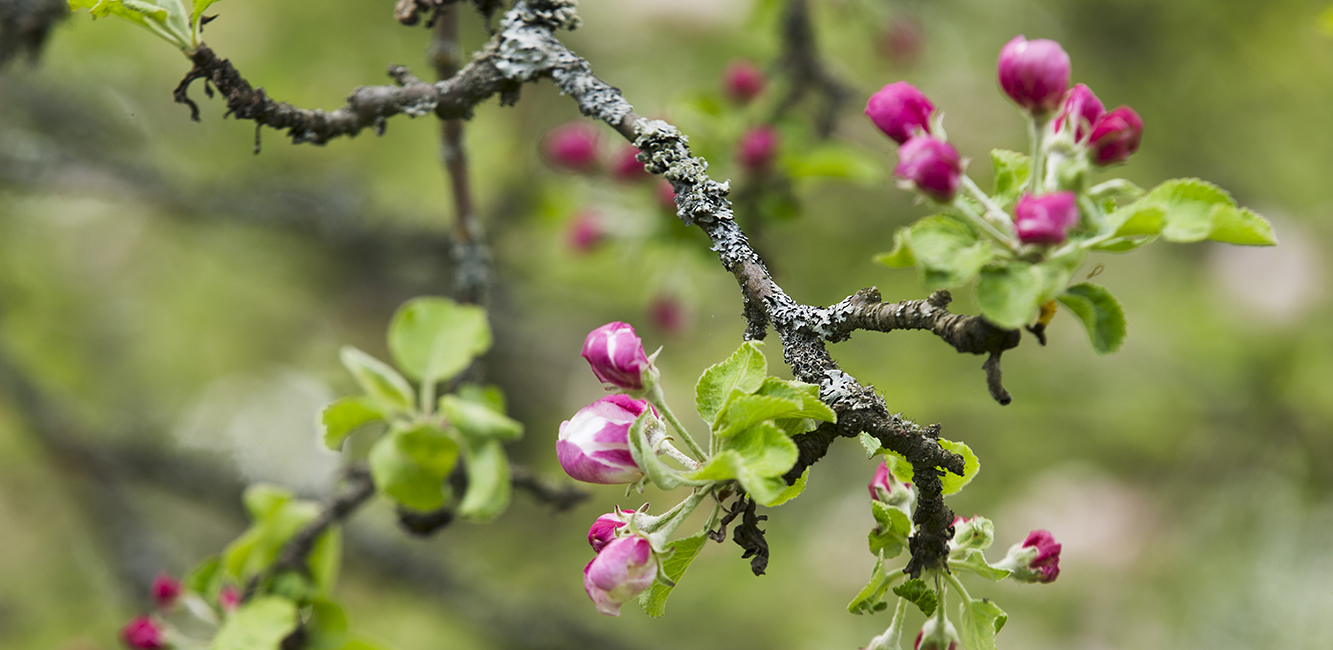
[(627, 167), (144, 633), (743, 81), (585, 232), (616, 355), (931, 166), (625, 568), (1115, 136), (1079, 111), (572, 147), (758, 148), (593, 446), (900, 111), (1037, 559), (1035, 74), (1045, 219), (934, 636), (603, 531), (166, 590)]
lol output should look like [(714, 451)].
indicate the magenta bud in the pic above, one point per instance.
[(572, 146), (900, 111), (603, 530), (666, 195), (933, 636), (1037, 559), (627, 167), (668, 314), (616, 355), (1045, 219), (229, 598), (1079, 111), (585, 232), (593, 446), (1035, 74), (887, 488), (743, 81), (1115, 136), (932, 166), (625, 568), (902, 41), (166, 590), (143, 633), (758, 148)]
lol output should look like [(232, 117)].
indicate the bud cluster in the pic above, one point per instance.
[(172, 600)]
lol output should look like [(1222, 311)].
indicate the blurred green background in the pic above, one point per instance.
[(182, 300)]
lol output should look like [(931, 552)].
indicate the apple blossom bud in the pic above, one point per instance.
[(887, 488), (932, 167), (743, 81), (229, 598), (1045, 219), (668, 314), (593, 446), (758, 148), (1115, 136), (585, 232), (971, 534), (627, 167), (1037, 559), (616, 355), (666, 195), (625, 568), (1035, 74), (603, 530), (166, 590), (934, 637), (1079, 111), (902, 41), (900, 111), (143, 633), (572, 147)]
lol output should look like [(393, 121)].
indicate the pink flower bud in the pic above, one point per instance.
[(229, 598), (932, 166), (668, 314), (743, 81), (900, 111), (1080, 110), (627, 167), (666, 195), (1037, 559), (593, 446), (572, 147), (902, 41), (887, 488), (603, 530), (758, 148), (143, 633), (1115, 136), (625, 568), (934, 637), (166, 590), (971, 534), (1035, 74), (1045, 219), (616, 355), (585, 232)]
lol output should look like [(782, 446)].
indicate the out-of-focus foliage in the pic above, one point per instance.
[(176, 294)]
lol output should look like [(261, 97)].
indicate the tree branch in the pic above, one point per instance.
[(806, 72)]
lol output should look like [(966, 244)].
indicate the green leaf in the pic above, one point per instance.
[(260, 624), (744, 371), (434, 339), (380, 381), (743, 411), (1009, 295), (325, 560), (806, 394), (871, 597), (889, 537), (681, 553), (488, 481), (479, 421), (757, 458), (327, 627), (836, 160), (1123, 245), (976, 563), (344, 416), (979, 622), (1233, 225), (794, 490), (947, 252), (410, 465), (1013, 170), (901, 255), (916, 592), (490, 396), (954, 483), (166, 19), (199, 7), (428, 446), (1100, 314), (205, 577), (276, 516), (1189, 210)]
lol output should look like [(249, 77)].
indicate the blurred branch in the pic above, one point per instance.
[(806, 72), (25, 26)]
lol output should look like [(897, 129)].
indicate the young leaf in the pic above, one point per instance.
[(1189, 210), (165, 18), (1234, 225), (806, 394), (325, 560), (976, 563), (276, 518), (488, 484), (1100, 314), (871, 597), (947, 252), (205, 577), (791, 492), (489, 396), (682, 553), (744, 411), (657, 471), (433, 339), (344, 416), (410, 465), (380, 381), (1012, 172), (327, 627), (1009, 295), (260, 624), (479, 421), (744, 370), (889, 537), (916, 592), (901, 255), (980, 621), (954, 483)]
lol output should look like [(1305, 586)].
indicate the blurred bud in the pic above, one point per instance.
[(972, 534), (585, 232), (572, 147), (743, 81), (625, 568), (603, 530), (758, 148), (166, 590), (666, 195), (902, 41), (1080, 110), (593, 446), (143, 633), (1045, 219), (229, 598), (887, 488), (931, 166), (1037, 559), (933, 636), (1035, 74), (1115, 136), (616, 355), (668, 314), (900, 111), (627, 167)]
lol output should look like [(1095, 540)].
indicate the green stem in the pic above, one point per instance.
[(658, 400), (1037, 131), (994, 213), (667, 522), (1009, 242), (427, 397), (953, 580)]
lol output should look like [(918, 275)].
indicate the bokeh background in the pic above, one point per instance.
[(181, 300)]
